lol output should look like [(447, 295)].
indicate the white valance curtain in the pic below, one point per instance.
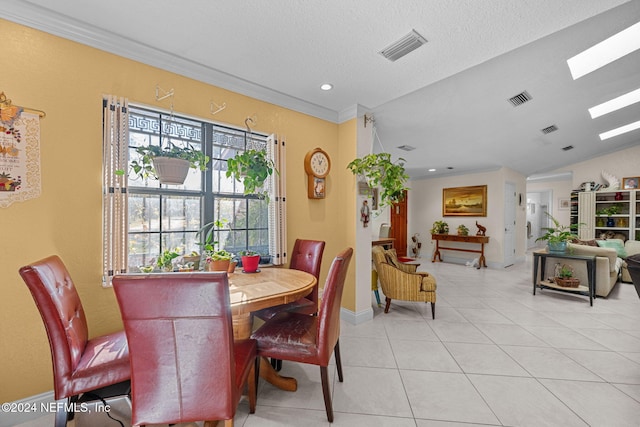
[(277, 202), (115, 139)]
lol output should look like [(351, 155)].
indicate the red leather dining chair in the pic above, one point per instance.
[(80, 365), (310, 339), (185, 364), (306, 256)]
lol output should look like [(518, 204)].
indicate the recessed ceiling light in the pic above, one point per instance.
[(620, 130), (605, 52), (432, 170), (326, 86), (615, 104)]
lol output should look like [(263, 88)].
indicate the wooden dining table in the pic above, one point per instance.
[(268, 287)]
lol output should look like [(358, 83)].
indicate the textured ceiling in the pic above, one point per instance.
[(447, 98)]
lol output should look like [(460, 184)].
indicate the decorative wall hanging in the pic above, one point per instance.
[(19, 152), (464, 201)]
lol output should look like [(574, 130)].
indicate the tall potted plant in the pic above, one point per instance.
[(377, 170), (252, 168)]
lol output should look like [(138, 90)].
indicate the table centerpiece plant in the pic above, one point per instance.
[(559, 235)]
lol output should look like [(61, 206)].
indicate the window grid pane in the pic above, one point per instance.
[(168, 217)]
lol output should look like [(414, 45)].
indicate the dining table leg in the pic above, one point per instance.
[(242, 330)]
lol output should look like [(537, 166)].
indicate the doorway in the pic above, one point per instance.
[(538, 203), (399, 225)]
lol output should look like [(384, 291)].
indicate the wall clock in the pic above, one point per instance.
[(317, 166)]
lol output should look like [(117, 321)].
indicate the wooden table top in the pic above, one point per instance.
[(267, 288)]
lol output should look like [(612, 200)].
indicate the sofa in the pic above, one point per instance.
[(631, 247), (608, 265)]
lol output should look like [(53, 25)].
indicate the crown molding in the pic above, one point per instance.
[(62, 26)]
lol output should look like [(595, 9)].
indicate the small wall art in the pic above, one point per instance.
[(630, 183), (564, 204)]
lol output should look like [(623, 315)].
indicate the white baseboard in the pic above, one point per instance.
[(19, 413), (356, 318)]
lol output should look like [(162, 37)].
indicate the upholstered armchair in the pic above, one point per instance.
[(401, 281)]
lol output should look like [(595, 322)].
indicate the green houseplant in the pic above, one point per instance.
[(463, 230), (216, 259), (154, 160), (609, 211), (377, 170), (558, 235), (252, 168), (165, 260), (440, 227)]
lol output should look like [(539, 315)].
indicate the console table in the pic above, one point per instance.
[(386, 243), (481, 240), (545, 284)]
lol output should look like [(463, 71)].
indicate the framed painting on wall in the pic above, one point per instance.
[(464, 201), (564, 204)]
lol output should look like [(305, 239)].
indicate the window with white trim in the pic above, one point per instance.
[(161, 217)]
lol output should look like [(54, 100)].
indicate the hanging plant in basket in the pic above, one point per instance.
[(377, 170), (169, 164), (252, 168)]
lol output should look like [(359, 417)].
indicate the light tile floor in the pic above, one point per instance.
[(495, 355)]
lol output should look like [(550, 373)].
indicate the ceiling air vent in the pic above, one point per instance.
[(406, 147), (520, 98), (567, 148), (549, 129), (407, 44)]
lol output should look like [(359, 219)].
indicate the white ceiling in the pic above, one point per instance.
[(448, 98)]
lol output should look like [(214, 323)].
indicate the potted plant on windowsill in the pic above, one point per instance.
[(377, 170), (216, 259), (169, 164), (250, 261), (165, 260), (252, 168), (558, 235)]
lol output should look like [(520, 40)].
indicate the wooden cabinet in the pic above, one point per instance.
[(626, 221)]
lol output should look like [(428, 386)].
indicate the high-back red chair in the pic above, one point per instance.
[(80, 364), (310, 339), (185, 364), (306, 256)]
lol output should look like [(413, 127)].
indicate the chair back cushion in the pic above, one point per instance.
[(180, 336), (61, 309), (329, 313), (307, 256)]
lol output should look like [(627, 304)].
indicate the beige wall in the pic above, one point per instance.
[(425, 207), (67, 81)]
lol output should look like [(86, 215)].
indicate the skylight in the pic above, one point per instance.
[(615, 104), (620, 130), (605, 52)]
